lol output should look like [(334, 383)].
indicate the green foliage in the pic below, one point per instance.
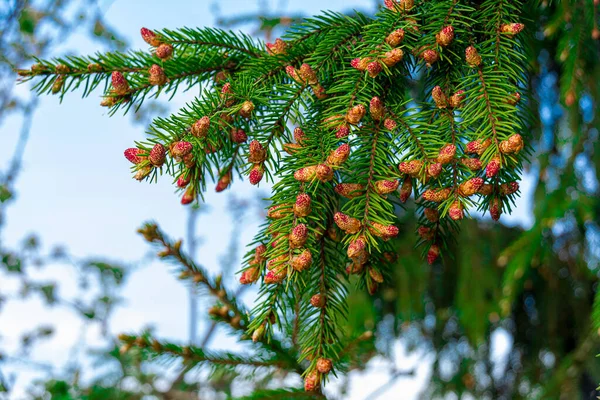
[(442, 112)]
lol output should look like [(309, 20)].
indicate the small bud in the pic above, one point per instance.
[(181, 149), (372, 287), (357, 248), (342, 132), (470, 187), (474, 164), (39, 68), (390, 124), (108, 101), (430, 57), (247, 108), (570, 98), (133, 155), (374, 68), (514, 98), (455, 101), (275, 277), (360, 64), (324, 172), (445, 36), (355, 114), (119, 83), (278, 211), (302, 261), (302, 207), (355, 63), (58, 85), (157, 75), (306, 174), (349, 190), (511, 30), (385, 232), (433, 254), (434, 170), (188, 161), (334, 121), (308, 74), (513, 144), (142, 173), (317, 301), (249, 276), (478, 146), (376, 108), (486, 189), (226, 90), (437, 195), (446, 154), (355, 267), (506, 189), (495, 208), (426, 233), (150, 37), (259, 253), (256, 152), (189, 195), (439, 97), (346, 223), (311, 381), (319, 91), (298, 236), (392, 57), (200, 128), (395, 38), (277, 263), (256, 174), (431, 214), (456, 211), (405, 189), (384, 186), (339, 155), (299, 136), (92, 68), (291, 148), (324, 365), (221, 76), (399, 5), (258, 333), (411, 168), (292, 73), (375, 274), (472, 57), (279, 47), (164, 51), (493, 167), (157, 155), (183, 181), (223, 182)]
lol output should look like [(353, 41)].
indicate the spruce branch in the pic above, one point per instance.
[(348, 116)]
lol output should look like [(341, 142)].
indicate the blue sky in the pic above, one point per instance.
[(75, 189)]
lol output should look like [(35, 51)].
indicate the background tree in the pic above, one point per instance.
[(451, 311)]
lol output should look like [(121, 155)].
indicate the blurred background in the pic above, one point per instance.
[(510, 316)]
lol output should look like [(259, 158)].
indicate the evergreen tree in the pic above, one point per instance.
[(350, 117)]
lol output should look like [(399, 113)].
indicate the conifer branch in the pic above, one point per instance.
[(418, 99)]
